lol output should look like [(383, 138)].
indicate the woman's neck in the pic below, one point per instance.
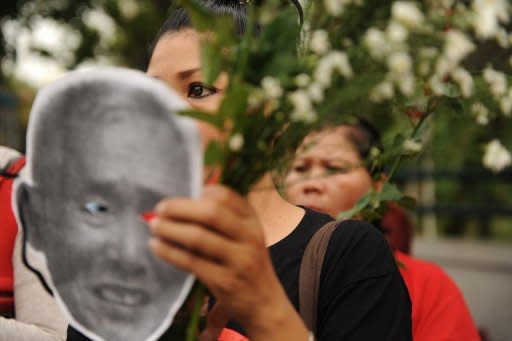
[(277, 216)]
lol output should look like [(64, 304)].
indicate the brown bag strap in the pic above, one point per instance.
[(309, 275)]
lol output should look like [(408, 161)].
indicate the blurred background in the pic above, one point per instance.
[(463, 220)]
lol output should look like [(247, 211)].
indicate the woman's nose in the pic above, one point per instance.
[(314, 182)]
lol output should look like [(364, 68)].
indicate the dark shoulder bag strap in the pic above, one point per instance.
[(309, 275)]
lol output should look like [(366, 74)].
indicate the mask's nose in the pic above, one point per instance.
[(130, 252)]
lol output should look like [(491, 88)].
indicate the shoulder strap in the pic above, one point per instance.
[(309, 273)]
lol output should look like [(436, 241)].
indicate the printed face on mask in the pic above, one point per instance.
[(110, 157)]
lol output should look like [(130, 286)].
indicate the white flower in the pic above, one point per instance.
[(506, 105), (437, 85), (376, 43), (320, 42), (407, 13), (457, 46), (335, 60), (271, 87), (496, 156), (316, 92), (236, 142), (487, 15), (406, 83), (382, 91), (502, 38), (302, 108), (411, 146), (302, 80), (424, 69), (396, 32), (374, 152), (444, 66), (428, 52), (256, 97), (481, 113), (399, 62), (464, 80), (334, 7), (496, 80), (128, 8)]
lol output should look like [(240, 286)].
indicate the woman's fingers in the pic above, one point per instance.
[(194, 238), (203, 269), (220, 209)]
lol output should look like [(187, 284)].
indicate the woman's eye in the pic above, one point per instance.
[(94, 207), (336, 169), (198, 90), (300, 168)]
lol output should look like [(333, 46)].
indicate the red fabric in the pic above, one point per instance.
[(439, 312), (8, 229), (398, 228), (231, 335)]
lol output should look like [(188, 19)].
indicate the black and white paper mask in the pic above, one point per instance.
[(103, 147)]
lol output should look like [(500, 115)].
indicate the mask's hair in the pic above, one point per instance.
[(237, 9)]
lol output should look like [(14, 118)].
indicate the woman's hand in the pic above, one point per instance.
[(219, 239)]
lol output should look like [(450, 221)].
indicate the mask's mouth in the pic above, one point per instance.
[(121, 295)]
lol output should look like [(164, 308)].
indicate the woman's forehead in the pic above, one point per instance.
[(175, 52), (329, 140)]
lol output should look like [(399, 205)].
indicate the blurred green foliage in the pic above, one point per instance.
[(456, 142), (135, 23)]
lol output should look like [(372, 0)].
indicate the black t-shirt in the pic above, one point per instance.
[(362, 295)]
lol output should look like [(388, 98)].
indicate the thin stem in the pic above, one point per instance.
[(245, 47), (193, 326), (432, 104)]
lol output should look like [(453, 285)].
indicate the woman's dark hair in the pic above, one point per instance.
[(237, 9), (363, 136)]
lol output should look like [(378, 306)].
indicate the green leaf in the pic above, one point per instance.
[(407, 202), (235, 103), (202, 19), (389, 192), (213, 153), (347, 214), (211, 61), (360, 205), (215, 120)]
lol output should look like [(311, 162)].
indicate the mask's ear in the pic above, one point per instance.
[(29, 208)]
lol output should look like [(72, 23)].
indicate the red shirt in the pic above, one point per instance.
[(231, 335), (8, 229), (439, 312)]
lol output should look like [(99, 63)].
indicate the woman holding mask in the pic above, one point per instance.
[(223, 238)]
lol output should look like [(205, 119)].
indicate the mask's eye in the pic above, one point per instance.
[(199, 90), (95, 207)]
